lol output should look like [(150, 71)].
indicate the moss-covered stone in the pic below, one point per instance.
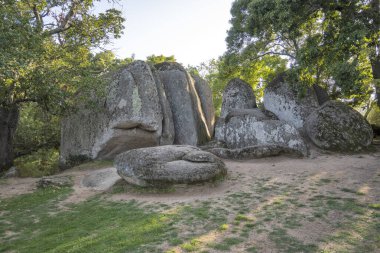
[(336, 126)]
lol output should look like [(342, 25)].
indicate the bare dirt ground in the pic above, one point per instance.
[(308, 187), (360, 172)]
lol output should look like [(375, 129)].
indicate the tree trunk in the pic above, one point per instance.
[(8, 123)]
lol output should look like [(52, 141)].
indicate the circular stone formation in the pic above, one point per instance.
[(336, 126), (165, 165)]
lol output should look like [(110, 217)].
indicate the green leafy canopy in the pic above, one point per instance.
[(46, 50)]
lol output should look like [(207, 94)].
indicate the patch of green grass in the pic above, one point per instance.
[(287, 243), (251, 250), (374, 206), (43, 162), (227, 243), (193, 245), (122, 187), (92, 226)]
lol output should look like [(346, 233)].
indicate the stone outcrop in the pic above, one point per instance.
[(249, 132), (336, 126), (189, 119), (130, 116), (287, 104), (159, 166), (55, 182), (245, 131), (205, 96), (237, 95), (253, 152), (143, 107)]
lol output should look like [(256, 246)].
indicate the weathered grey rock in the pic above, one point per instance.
[(12, 172), (237, 95), (188, 117), (219, 129), (54, 181), (100, 179), (220, 125), (134, 113), (245, 131), (287, 105), (253, 152), (168, 134), (321, 94), (336, 126), (205, 96), (157, 166)]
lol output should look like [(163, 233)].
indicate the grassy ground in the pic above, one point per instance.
[(274, 212)]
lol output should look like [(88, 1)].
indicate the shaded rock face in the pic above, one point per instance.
[(205, 96), (237, 95), (336, 126), (245, 131), (134, 114), (281, 100), (157, 166), (253, 152), (144, 107), (188, 107), (249, 133)]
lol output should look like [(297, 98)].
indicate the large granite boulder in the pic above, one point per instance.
[(205, 95), (237, 95), (249, 133), (336, 126), (158, 166), (190, 123), (134, 114), (246, 130), (289, 105)]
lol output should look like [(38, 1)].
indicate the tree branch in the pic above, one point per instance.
[(66, 23), (272, 53)]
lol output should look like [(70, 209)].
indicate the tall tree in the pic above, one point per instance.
[(329, 41), (45, 57)]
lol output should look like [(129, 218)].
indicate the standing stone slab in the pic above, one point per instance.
[(336, 126), (237, 95), (205, 96), (158, 166), (130, 116), (286, 104), (188, 117)]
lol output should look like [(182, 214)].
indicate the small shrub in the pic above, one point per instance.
[(43, 162)]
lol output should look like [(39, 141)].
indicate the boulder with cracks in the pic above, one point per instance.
[(167, 165)]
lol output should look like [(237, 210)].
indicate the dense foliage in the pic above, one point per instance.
[(331, 43), (45, 57)]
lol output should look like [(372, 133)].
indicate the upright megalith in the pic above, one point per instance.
[(189, 119), (144, 106), (205, 95), (237, 95), (288, 104), (250, 132), (133, 114)]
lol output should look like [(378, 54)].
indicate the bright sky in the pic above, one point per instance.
[(194, 31)]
